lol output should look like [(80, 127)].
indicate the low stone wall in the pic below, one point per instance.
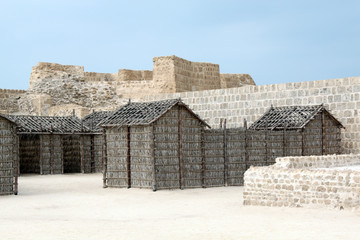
[(305, 182)]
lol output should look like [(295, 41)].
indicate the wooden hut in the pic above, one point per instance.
[(301, 130), (53, 145), (92, 122), (154, 145), (8, 156)]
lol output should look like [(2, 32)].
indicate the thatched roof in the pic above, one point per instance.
[(144, 113), (46, 124), (92, 120), (293, 117)]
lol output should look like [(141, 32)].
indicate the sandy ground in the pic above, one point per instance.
[(77, 207)]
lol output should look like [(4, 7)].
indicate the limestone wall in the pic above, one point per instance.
[(340, 96), (9, 100), (131, 75), (293, 182), (229, 80), (196, 76)]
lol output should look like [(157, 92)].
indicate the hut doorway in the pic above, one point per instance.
[(72, 157), (29, 152)]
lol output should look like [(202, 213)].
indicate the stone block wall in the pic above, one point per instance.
[(340, 96), (196, 76), (291, 182)]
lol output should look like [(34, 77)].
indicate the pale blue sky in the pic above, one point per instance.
[(274, 41)]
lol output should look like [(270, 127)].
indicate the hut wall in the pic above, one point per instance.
[(29, 153), (72, 155), (275, 145), (293, 143), (166, 152), (235, 156), (332, 136), (313, 137), (214, 157), (256, 148), (51, 154), (7, 157), (116, 139), (141, 161), (191, 130), (97, 152), (85, 151)]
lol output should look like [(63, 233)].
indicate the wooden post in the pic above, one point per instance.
[(51, 150), (41, 154), (302, 142), (246, 146), (323, 133), (203, 166), (266, 142), (82, 154), (92, 151), (180, 150), (221, 121), (284, 141), (104, 158), (225, 156), (152, 148), (62, 152), (128, 158), (16, 161)]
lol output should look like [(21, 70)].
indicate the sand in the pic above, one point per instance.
[(77, 207)]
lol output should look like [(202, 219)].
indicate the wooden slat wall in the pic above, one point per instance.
[(141, 159), (7, 158), (72, 154), (52, 154), (166, 151), (191, 149), (97, 151), (29, 153), (116, 139)]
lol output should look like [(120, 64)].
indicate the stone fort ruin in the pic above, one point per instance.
[(56, 89)]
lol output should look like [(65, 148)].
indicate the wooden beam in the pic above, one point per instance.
[(82, 154), (246, 146), (92, 151), (62, 153), (16, 161), (152, 148), (181, 171), (323, 133), (41, 155), (104, 158), (267, 141), (225, 156), (284, 142), (51, 150), (203, 166), (302, 142), (128, 158)]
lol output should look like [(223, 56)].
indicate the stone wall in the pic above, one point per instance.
[(54, 87), (305, 182), (229, 80), (196, 76), (340, 96), (9, 100)]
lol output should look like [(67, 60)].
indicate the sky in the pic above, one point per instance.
[(274, 41)]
